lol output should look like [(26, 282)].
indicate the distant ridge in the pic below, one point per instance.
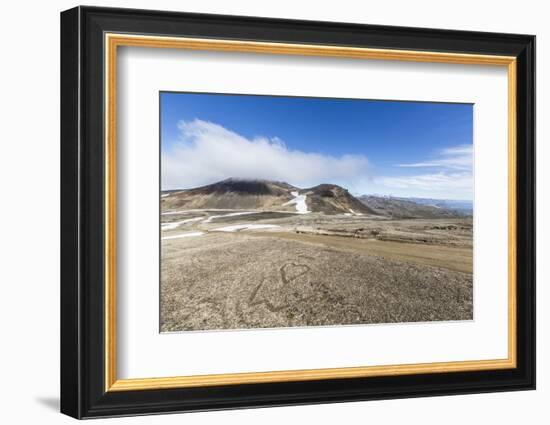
[(462, 206), (398, 207)]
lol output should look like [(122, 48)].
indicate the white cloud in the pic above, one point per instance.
[(208, 152), (441, 185), (451, 176), (457, 157)]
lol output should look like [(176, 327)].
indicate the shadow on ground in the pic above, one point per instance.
[(49, 402)]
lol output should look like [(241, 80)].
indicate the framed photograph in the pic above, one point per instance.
[(261, 212)]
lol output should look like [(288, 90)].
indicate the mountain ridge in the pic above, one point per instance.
[(237, 193), (326, 198), (399, 207)]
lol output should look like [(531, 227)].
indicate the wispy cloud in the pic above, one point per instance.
[(457, 158), (208, 152), (450, 175), (445, 184)]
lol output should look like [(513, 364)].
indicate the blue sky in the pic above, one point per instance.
[(385, 147)]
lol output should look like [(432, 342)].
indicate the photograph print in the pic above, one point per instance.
[(280, 212)]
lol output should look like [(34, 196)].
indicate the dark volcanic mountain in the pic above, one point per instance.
[(265, 195), (244, 188), (405, 208), (231, 194)]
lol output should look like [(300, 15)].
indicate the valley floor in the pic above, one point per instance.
[(253, 269)]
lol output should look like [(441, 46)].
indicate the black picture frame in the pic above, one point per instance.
[(83, 392)]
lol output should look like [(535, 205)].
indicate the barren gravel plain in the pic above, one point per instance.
[(239, 269)]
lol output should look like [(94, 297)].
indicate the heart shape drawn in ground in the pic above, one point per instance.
[(292, 271)]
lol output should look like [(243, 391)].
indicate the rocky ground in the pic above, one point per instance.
[(251, 269)]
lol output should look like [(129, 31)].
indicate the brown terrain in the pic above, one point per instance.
[(242, 254)]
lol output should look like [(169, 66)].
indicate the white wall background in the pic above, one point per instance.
[(29, 213)]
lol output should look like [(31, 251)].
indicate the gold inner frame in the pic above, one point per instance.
[(113, 41)]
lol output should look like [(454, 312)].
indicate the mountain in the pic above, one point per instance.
[(265, 195), (333, 199), (408, 207), (231, 194), (465, 207)]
